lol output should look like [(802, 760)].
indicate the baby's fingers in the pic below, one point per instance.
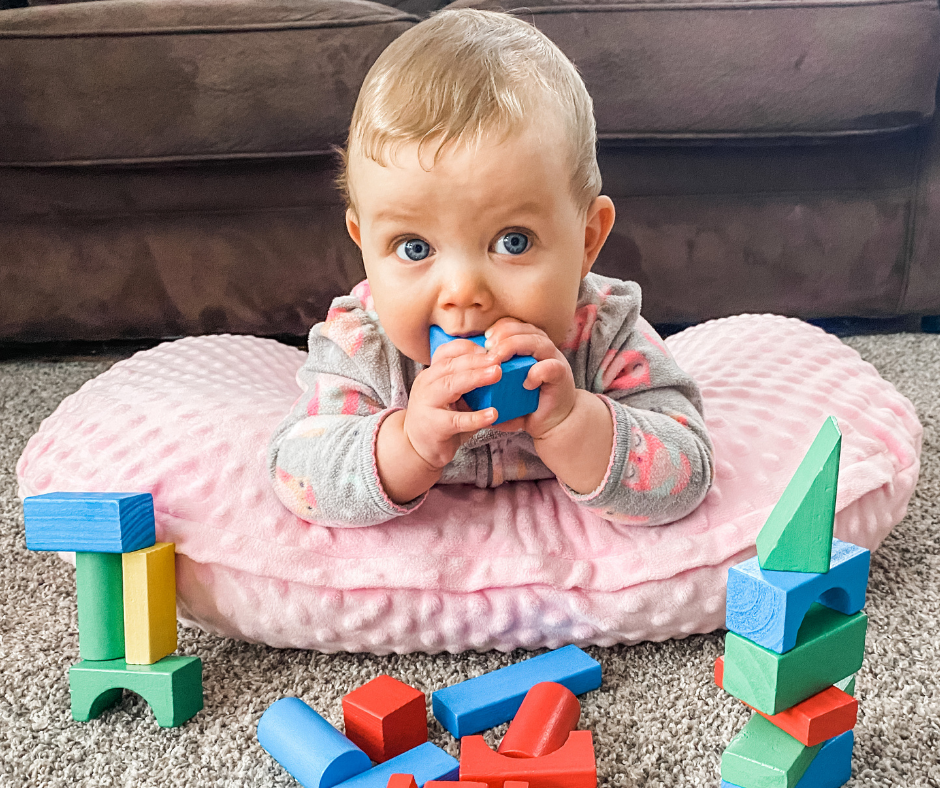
[(471, 421)]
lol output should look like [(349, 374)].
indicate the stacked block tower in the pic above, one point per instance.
[(386, 723), (126, 587), (796, 637)]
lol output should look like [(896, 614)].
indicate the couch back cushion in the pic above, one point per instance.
[(126, 82)]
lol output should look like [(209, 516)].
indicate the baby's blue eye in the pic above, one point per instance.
[(515, 243), (415, 248)]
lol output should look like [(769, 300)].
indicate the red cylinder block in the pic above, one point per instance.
[(548, 714)]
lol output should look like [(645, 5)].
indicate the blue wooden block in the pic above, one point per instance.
[(90, 522), (767, 607), (426, 762), (312, 750), (493, 698), (507, 395), (831, 767)]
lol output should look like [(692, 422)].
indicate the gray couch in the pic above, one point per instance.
[(165, 167)]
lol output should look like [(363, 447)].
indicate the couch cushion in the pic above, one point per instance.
[(755, 68), (154, 80)]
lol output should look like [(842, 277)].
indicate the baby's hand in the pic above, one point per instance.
[(508, 337), (437, 420)]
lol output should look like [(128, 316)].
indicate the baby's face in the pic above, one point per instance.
[(474, 239)]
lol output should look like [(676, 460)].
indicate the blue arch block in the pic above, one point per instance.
[(831, 767), (312, 750), (90, 522), (767, 607)]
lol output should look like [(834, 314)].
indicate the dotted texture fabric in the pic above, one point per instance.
[(520, 565)]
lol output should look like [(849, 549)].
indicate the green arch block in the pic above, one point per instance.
[(172, 687), (797, 536)]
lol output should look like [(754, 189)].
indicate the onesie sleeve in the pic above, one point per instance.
[(662, 461), (321, 457)]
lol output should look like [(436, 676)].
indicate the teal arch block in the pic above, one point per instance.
[(172, 687), (767, 607), (90, 522), (831, 768), (507, 395)]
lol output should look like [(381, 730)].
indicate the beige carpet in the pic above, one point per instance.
[(658, 720)]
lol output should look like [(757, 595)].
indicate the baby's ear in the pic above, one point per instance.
[(600, 221), (352, 226)]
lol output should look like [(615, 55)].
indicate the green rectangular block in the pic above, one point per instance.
[(829, 647), (764, 756), (172, 687), (99, 587)]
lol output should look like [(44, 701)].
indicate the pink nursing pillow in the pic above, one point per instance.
[(517, 565)]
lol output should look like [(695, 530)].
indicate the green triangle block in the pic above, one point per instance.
[(797, 536)]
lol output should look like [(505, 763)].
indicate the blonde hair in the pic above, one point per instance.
[(461, 75)]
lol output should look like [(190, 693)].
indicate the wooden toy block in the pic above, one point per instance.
[(571, 766), (829, 647), (93, 522), (307, 746), (402, 781), (762, 754), (825, 715), (426, 762), (515, 784), (386, 717), (831, 768), (100, 597), (847, 685), (450, 784), (150, 604), (768, 607), (546, 717), (797, 536), (493, 698), (172, 687), (507, 395)]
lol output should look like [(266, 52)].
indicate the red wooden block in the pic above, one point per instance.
[(385, 718), (571, 766), (515, 784), (451, 784), (548, 714), (402, 781), (826, 714)]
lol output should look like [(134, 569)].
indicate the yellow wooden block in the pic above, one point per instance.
[(150, 604)]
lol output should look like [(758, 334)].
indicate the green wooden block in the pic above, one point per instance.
[(829, 647), (172, 687), (797, 536), (100, 591), (763, 756), (847, 685)]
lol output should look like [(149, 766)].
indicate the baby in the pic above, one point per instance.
[(496, 234)]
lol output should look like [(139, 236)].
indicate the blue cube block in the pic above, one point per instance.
[(493, 698), (507, 395), (767, 607), (90, 522)]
